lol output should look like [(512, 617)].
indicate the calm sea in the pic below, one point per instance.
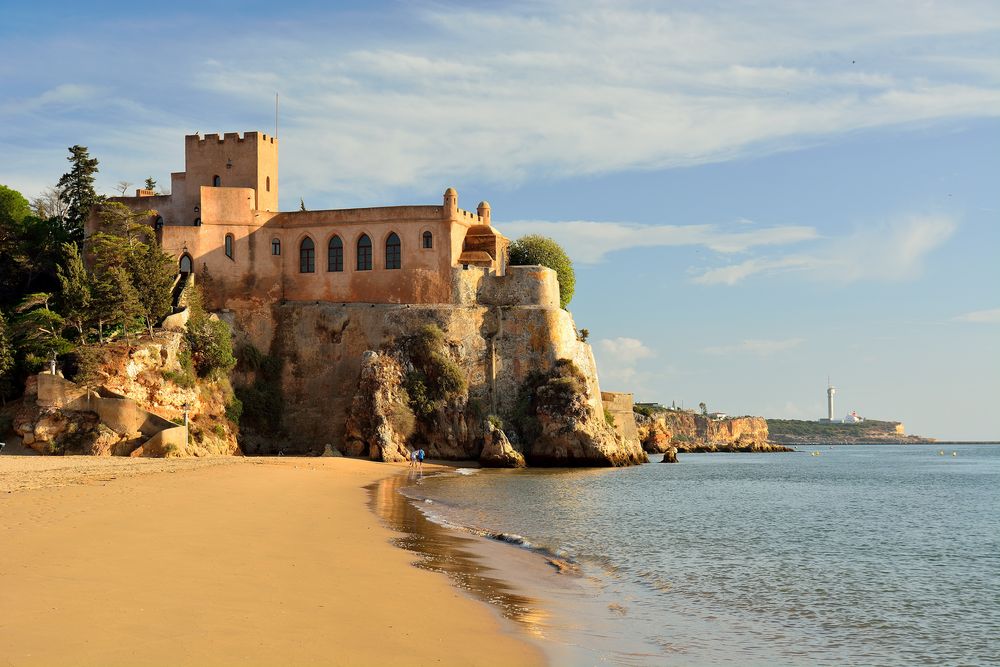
[(863, 555)]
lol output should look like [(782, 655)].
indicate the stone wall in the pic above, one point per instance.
[(620, 406)]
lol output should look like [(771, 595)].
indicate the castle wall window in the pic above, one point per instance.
[(216, 180), (197, 222), (428, 240), (267, 183), (275, 247), (335, 256), (186, 264), (229, 246), (364, 253), (307, 256), (393, 259)]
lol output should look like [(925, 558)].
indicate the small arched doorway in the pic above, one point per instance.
[(187, 265)]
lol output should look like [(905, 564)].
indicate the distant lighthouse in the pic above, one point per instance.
[(830, 391)]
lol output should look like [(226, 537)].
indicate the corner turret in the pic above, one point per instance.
[(483, 211), (450, 203)]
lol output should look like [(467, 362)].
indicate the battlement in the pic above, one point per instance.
[(232, 137)]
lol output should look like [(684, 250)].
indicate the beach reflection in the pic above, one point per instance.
[(443, 550)]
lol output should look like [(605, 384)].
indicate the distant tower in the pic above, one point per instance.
[(830, 391)]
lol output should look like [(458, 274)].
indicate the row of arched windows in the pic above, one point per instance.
[(335, 252)]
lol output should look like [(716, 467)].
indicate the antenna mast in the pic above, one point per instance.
[(276, 115)]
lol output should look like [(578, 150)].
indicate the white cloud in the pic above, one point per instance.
[(566, 89), (760, 348), (590, 241), (617, 363), (625, 350), (891, 251), (990, 316)]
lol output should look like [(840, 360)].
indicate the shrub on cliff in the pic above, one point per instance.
[(536, 249), (435, 378), (555, 392), (210, 339)]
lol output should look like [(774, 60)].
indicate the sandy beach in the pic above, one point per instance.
[(222, 562)]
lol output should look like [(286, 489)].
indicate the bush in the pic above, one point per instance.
[(495, 421), (234, 410), (435, 377), (210, 340), (535, 249), (609, 418), (219, 430), (643, 410), (557, 392), (185, 377)]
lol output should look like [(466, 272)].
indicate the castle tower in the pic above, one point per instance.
[(830, 391), (232, 161)]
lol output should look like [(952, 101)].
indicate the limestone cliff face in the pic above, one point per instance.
[(688, 432), (131, 397), (327, 380)]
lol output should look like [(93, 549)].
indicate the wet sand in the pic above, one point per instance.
[(224, 562)]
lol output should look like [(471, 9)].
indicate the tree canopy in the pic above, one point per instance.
[(77, 186), (536, 249)]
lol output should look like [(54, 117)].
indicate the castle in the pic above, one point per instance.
[(221, 222)]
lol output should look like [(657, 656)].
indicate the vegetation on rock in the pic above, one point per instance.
[(433, 378), (536, 249)]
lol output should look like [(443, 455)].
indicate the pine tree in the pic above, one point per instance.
[(78, 192), (302, 204), (38, 331), (76, 290), (152, 273), (117, 302), (150, 184)]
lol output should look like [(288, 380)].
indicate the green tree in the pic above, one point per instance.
[(78, 190), (302, 204), (703, 408), (209, 337), (75, 297), (116, 301), (38, 331), (14, 208), (152, 272), (535, 249), (150, 184)]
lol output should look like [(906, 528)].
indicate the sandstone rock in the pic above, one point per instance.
[(101, 441), (497, 450), (670, 456), (370, 428)]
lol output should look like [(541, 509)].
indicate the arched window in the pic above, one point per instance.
[(158, 224), (392, 252), (364, 253), (229, 246), (428, 240), (197, 222), (267, 183), (335, 255), (186, 263), (307, 256), (275, 247), (216, 180)]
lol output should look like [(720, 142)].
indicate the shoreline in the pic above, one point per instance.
[(273, 561)]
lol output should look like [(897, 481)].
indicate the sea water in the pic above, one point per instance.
[(860, 555)]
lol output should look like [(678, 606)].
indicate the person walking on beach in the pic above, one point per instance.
[(420, 459), (413, 459)]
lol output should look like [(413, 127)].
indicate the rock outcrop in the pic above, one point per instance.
[(329, 393), (126, 396), (497, 450), (690, 432)]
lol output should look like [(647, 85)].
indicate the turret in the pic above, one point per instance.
[(450, 203), (484, 211)]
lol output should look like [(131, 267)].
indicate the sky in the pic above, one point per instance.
[(757, 195)]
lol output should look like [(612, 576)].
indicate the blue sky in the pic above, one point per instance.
[(756, 195)]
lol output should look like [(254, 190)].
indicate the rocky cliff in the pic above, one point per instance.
[(688, 432), (338, 373), (868, 432), (125, 395)]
